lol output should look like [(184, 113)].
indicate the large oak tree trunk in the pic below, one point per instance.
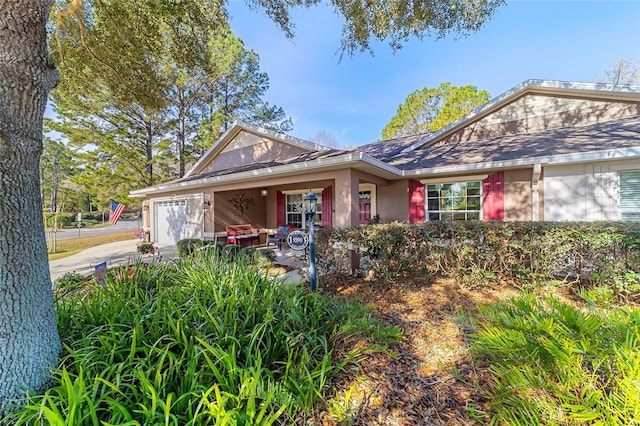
[(29, 341)]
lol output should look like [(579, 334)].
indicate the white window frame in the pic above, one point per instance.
[(452, 212), (299, 207), (629, 208)]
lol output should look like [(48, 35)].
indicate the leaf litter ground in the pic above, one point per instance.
[(428, 378)]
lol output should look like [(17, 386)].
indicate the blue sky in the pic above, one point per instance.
[(354, 99)]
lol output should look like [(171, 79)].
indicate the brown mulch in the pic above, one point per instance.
[(429, 377)]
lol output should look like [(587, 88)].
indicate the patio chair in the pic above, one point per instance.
[(279, 236)]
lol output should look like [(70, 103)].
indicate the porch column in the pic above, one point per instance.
[(346, 208)]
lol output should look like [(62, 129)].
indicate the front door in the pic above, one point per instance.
[(365, 207)]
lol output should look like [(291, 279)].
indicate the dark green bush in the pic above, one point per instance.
[(97, 217), (479, 252), (211, 248), (70, 280), (62, 220), (188, 246), (232, 252), (260, 258)]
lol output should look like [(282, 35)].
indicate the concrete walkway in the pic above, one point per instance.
[(115, 254), (124, 252)]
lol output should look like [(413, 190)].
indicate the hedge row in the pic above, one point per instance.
[(479, 252)]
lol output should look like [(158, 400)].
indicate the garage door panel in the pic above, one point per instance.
[(178, 219)]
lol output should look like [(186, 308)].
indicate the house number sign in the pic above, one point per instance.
[(298, 240)]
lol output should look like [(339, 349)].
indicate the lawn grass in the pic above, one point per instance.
[(75, 245)]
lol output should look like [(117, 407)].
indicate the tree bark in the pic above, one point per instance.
[(29, 341)]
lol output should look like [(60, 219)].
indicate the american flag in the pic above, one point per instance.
[(115, 212)]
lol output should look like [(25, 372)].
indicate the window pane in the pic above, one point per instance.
[(630, 195), (454, 201)]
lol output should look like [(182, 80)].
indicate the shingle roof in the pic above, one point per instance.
[(619, 133), (389, 149), (300, 158)]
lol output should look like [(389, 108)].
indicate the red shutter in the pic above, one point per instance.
[(327, 207), (280, 219), (416, 201), (493, 197)]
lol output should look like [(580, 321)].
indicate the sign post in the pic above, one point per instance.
[(310, 199)]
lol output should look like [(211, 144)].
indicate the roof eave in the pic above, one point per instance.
[(349, 159)]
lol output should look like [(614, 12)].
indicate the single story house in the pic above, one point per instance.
[(544, 150)]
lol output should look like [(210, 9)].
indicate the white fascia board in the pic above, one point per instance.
[(605, 90), (297, 168), (239, 126), (550, 160)]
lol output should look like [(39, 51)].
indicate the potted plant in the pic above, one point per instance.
[(146, 248)]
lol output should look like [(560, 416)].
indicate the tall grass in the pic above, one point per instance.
[(197, 342), (554, 364)]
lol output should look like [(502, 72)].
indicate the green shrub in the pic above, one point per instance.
[(231, 252), (554, 364), (477, 253), (188, 246), (95, 217), (198, 342), (69, 281), (259, 258), (210, 248), (62, 220)]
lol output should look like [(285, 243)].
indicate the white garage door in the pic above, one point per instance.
[(178, 219)]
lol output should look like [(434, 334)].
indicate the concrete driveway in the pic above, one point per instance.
[(124, 252), (115, 254)]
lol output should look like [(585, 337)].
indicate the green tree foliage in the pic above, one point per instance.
[(56, 167), (144, 126), (428, 110), (394, 21), (235, 94)]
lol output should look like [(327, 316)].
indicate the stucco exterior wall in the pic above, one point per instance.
[(517, 194), (535, 112), (584, 191), (393, 202), (346, 202), (248, 148), (224, 212)]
